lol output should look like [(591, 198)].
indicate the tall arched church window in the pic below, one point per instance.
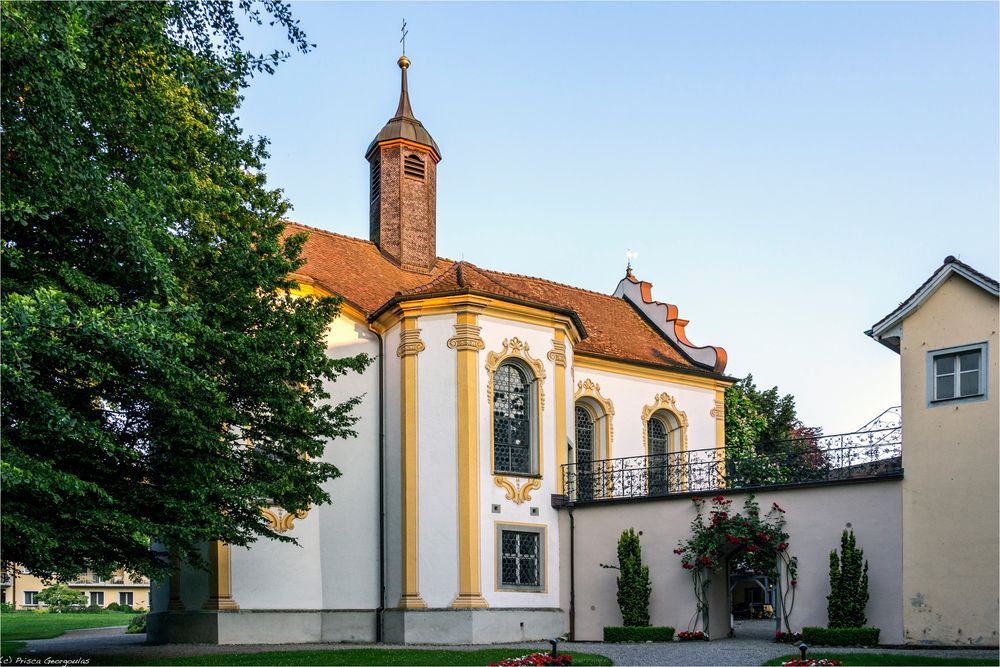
[(512, 417), (584, 453)]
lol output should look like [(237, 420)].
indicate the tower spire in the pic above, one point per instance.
[(404, 110)]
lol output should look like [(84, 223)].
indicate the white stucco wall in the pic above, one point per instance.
[(631, 394), (273, 575), (393, 500), (437, 465), (815, 518), (349, 530)]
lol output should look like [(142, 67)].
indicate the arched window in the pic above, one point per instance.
[(585, 442), (513, 414), (663, 439)]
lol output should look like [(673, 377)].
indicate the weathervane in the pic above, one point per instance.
[(403, 38), (630, 255)]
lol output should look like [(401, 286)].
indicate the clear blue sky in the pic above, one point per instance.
[(788, 172)]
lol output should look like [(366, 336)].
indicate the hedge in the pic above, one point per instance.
[(841, 636), (638, 634)]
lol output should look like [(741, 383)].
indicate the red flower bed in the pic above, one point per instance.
[(534, 659), (696, 636), (808, 662)]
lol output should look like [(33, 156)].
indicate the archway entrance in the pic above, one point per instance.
[(752, 600), (739, 559)]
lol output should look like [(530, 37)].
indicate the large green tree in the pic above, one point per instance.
[(157, 379)]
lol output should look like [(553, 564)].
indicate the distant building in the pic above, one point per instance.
[(22, 588)]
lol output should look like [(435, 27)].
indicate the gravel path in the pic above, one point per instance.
[(105, 642)]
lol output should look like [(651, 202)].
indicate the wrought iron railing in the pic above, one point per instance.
[(848, 456)]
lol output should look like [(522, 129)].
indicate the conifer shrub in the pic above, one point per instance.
[(633, 581), (848, 585)]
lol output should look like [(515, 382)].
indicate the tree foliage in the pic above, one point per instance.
[(61, 597), (633, 581), (848, 585), (762, 416), (765, 440), (157, 378)]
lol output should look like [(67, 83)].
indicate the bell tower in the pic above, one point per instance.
[(402, 162)]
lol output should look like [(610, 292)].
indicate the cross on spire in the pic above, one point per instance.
[(402, 39)]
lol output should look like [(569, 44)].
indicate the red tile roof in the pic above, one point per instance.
[(358, 272)]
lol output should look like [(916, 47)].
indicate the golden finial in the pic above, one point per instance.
[(403, 62)]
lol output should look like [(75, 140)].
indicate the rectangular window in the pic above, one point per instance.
[(30, 598), (97, 598), (957, 373), (126, 599), (520, 557)]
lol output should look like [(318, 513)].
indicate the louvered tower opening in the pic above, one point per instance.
[(376, 178), (414, 167)]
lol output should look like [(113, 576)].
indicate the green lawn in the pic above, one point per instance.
[(365, 656), (17, 626), (885, 659)]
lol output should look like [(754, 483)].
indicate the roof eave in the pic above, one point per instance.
[(474, 292), (685, 370), (918, 298)]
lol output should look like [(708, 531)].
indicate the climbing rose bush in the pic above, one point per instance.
[(721, 532), (717, 531)]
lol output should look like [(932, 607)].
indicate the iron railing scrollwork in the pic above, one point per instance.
[(872, 453)]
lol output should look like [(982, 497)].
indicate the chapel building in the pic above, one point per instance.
[(492, 399)]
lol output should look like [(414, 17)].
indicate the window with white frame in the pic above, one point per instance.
[(126, 598), (30, 598), (97, 598), (520, 557), (957, 373)]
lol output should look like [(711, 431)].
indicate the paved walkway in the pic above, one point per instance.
[(107, 642)]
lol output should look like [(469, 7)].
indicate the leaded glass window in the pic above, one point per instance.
[(511, 420), (656, 436), (584, 453), (584, 436), (520, 559)]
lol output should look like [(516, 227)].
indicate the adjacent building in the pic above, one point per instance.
[(946, 336)]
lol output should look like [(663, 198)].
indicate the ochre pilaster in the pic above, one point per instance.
[(558, 357), (410, 346), (220, 588), (175, 603), (467, 343), (719, 412)]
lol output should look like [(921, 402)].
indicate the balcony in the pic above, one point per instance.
[(870, 454)]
